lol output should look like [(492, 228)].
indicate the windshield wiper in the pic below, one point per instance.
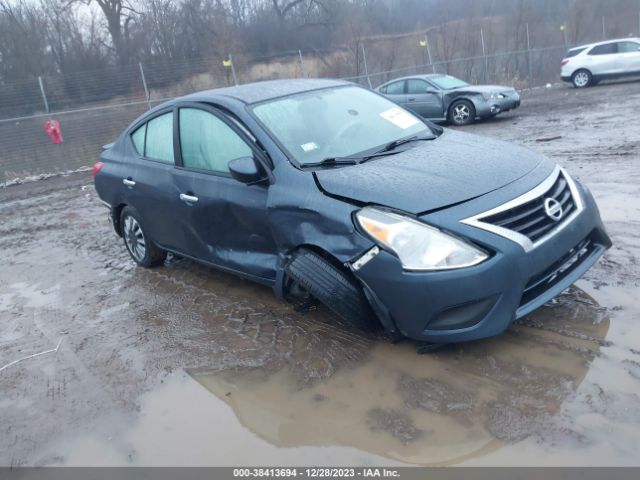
[(388, 149), (333, 161), (396, 143)]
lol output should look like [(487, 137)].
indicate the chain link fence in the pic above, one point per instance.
[(93, 107)]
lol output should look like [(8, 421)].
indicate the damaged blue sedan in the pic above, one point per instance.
[(325, 190)]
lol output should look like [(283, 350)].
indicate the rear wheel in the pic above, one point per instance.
[(140, 247), (462, 112), (336, 289), (582, 78)]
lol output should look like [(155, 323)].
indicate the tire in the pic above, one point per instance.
[(333, 287), (140, 247), (462, 112), (582, 78)]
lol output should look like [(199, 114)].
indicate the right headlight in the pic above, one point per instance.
[(419, 246)]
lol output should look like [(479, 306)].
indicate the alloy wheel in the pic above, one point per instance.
[(581, 79), (461, 113), (134, 238)]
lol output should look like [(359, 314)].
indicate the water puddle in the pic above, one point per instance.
[(443, 408), (465, 404)]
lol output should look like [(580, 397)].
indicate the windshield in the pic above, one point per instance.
[(336, 122), (447, 82)]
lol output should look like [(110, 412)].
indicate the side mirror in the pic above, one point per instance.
[(246, 170), (431, 90)]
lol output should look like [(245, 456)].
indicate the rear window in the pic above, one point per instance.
[(575, 51)]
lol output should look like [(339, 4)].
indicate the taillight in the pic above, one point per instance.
[(96, 168), (564, 61)]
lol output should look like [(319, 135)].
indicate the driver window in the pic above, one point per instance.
[(207, 143)]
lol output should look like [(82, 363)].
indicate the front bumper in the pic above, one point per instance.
[(481, 301), (495, 106)]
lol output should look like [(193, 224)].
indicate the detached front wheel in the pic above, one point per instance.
[(140, 247), (462, 112)]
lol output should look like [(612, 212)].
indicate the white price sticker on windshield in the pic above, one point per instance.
[(399, 118), (309, 147)]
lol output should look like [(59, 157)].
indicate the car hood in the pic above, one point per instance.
[(453, 168)]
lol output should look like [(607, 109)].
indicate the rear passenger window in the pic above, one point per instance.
[(208, 143), (159, 143), (605, 49), (137, 138), (395, 88)]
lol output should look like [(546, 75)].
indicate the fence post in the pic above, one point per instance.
[(484, 54), (604, 29), (44, 96), (364, 59), (304, 72), (144, 84), (426, 41), (529, 72), (233, 70)]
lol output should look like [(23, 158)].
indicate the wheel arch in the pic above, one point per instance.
[(116, 213)]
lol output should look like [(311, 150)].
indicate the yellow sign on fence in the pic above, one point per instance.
[(226, 63), (423, 43)]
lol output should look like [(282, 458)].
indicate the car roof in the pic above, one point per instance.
[(603, 42), (408, 77), (267, 90)]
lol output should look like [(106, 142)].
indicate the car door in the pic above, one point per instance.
[(423, 98), (223, 221), (149, 182), (628, 57), (603, 59), (395, 91)]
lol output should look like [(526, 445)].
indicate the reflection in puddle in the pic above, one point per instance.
[(442, 408)]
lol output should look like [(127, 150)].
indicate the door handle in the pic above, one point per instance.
[(188, 198), (128, 182)]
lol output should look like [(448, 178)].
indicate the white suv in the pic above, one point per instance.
[(588, 64)]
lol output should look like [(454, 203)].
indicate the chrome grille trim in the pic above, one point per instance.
[(538, 191)]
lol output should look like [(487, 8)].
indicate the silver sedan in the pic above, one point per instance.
[(443, 97)]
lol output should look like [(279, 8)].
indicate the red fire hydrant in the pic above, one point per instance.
[(52, 127)]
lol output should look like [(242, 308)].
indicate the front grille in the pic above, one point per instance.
[(543, 281), (530, 218)]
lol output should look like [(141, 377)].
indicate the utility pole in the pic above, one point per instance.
[(144, 84), (44, 96), (302, 69), (484, 54), (529, 72), (364, 59)]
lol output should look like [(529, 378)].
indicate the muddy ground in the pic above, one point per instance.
[(182, 365)]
